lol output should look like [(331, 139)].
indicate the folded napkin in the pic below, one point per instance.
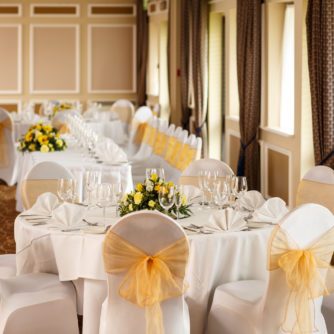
[(68, 214), (252, 200), (271, 211), (109, 151), (192, 193), (43, 206), (226, 220)]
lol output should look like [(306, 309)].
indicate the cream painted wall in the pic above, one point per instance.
[(83, 21)]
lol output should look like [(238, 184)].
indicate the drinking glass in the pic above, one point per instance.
[(150, 171), (178, 199), (92, 179), (166, 197), (210, 179), (201, 176), (65, 189), (118, 195), (221, 193), (239, 186), (104, 197), (161, 174)]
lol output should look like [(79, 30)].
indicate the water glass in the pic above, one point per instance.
[(150, 172), (239, 186), (65, 189), (104, 197), (92, 179), (210, 179), (178, 199), (118, 194), (201, 176), (166, 197)]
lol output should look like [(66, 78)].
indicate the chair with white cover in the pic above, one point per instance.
[(298, 260), (317, 186), (125, 110), (8, 154), (190, 175), (138, 124), (43, 177), (7, 265), (37, 304), (145, 255)]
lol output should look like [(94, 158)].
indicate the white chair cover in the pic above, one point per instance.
[(249, 307), (42, 178), (125, 110), (150, 232), (7, 265), (8, 153), (37, 304)]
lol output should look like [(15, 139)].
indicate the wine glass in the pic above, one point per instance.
[(166, 197), (92, 179), (65, 189), (118, 195), (178, 199), (201, 186), (239, 187), (161, 174), (221, 193), (104, 197), (210, 178), (150, 172)]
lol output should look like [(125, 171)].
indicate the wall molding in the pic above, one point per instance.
[(228, 134), (89, 53), (92, 15), (77, 11), (77, 58), (12, 101), (19, 58), (18, 5)]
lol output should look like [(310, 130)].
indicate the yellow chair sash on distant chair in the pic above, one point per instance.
[(308, 275), (149, 279), (315, 192), (4, 154), (143, 130)]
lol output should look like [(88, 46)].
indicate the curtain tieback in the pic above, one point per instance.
[(241, 163), (199, 129), (327, 157)]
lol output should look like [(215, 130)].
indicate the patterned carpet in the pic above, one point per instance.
[(7, 217)]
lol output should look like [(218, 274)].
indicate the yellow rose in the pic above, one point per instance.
[(130, 207), (44, 148), (170, 184), (32, 147), (184, 200), (157, 188), (38, 127), (154, 177), (57, 135), (138, 198), (47, 128), (151, 204), (139, 187), (59, 142), (28, 136)]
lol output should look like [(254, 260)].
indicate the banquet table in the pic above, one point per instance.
[(74, 160), (76, 256)]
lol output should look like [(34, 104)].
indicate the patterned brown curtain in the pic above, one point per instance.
[(249, 85), (320, 42), (142, 52), (194, 65)]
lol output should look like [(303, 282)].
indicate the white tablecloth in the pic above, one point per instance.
[(214, 259), (76, 163)]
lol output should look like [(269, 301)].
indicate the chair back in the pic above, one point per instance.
[(42, 178), (125, 110), (190, 175), (150, 232), (181, 140), (308, 227), (317, 186), (8, 155)]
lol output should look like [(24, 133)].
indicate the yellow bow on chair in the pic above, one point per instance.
[(143, 131), (149, 279), (308, 275), (4, 154)]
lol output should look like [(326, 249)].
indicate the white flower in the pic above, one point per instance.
[(149, 185)]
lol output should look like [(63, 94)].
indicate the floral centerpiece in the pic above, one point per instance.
[(43, 138), (61, 107), (146, 197)]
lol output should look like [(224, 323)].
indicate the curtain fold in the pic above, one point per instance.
[(249, 86), (320, 43), (142, 52)]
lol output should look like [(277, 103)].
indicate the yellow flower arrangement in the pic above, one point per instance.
[(60, 107), (43, 138), (146, 197)]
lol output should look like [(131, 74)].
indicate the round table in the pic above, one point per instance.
[(77, 256)]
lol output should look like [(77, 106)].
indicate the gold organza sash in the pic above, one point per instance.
[(141, 131), (183, 157), (4, 153), (152, 137), (124, 113), (170, 148), (149, 279), (31, 189), (161, 144), (316, 192), (308, 275), (60, 126)]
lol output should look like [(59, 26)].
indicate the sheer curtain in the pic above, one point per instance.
[(320, 43)]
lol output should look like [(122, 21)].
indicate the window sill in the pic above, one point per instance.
[(277, 131)]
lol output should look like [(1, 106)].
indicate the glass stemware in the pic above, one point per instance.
[(104, 197), (210, 179), (92, 179), (65, 189), (166, 197), (201, 176), (239, 187), (178, 199), (150, 172), (222, 191), (118, 195)]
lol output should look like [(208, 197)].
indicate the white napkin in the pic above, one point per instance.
[(43, 206), (192, 193), (226, 220), (68, 214), (271, 211), (109, 151), (252, 200)]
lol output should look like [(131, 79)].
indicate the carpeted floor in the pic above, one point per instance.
[(7, 217)]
